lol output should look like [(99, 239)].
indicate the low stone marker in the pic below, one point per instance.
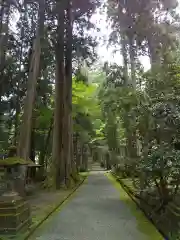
[(14, 210)]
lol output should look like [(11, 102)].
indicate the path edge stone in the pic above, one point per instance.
[(34, 228)]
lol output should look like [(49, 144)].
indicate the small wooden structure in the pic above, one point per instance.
[(31, 165)]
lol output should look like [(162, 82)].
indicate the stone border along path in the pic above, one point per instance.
[(98, 211)]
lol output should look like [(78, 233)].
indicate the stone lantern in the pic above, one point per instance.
[(14, 210)]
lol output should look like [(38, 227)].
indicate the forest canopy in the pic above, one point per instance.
[(61, 105)]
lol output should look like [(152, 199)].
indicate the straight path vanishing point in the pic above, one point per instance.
[(98, 211)]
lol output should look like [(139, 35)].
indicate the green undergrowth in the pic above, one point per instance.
[(144, 225), (83, 174)]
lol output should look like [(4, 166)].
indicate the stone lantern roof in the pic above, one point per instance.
[(14, 161)]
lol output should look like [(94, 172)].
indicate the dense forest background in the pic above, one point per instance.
[(59, 103)]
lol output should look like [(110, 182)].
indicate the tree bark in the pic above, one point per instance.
[(32, 171), (18, 107), (4, 28), (16, 122), (75, 148), (68, 131), (4, 31), (45, 148), (25, 129), (58, 144), (132, 61), (23, 149), (125, 59), (153, 53)]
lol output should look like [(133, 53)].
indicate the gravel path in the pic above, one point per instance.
[(95, 212)]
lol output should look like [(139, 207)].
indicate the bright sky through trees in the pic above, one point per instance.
[(105, 52)]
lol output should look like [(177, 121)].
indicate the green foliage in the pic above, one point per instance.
[(84, 98), (86, 110), (44, 117), (151, 113), (162, 161), (136, 22)]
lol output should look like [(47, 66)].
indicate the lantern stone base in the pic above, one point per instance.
[(14, 214)]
